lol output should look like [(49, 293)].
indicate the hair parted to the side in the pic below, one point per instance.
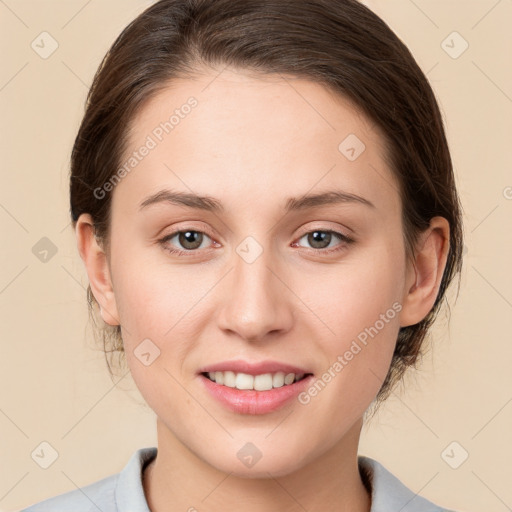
[(340, 44)]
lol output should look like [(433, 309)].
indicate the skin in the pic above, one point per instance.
[(252, 142)]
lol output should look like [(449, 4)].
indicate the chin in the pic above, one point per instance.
[(249, 462)]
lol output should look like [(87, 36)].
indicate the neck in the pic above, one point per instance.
[(179, 480)]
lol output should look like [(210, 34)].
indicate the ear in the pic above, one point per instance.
[(425, 273), (97, 267)]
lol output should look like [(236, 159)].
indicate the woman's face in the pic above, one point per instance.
[(266, 282)]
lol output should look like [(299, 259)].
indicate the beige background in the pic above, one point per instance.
[(55, 385)]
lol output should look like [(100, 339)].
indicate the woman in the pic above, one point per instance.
[(264, 201)]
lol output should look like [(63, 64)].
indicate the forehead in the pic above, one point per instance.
[(243, 136)]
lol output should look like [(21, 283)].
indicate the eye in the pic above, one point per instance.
[(189, 240), (320, 240), (192, 239)]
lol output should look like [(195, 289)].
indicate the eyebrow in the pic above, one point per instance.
[(211, 204)]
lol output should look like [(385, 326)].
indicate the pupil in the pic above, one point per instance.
[(188, 237), (319, 237)]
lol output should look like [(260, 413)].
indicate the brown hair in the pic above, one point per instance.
[(340, 44)]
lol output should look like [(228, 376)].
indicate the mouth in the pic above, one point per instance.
[(260, 382), (249, 388)]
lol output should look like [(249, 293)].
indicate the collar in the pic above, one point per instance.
[(388, 493)]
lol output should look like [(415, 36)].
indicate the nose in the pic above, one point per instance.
[(256, 303)]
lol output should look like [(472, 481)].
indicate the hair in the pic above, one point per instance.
[(340, 44)]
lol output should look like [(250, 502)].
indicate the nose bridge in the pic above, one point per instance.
[(255, 302)]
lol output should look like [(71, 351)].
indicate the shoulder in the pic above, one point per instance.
[(93, 497), (115, 493), (389, 493)]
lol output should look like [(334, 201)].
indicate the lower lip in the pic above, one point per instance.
[(249, 401)]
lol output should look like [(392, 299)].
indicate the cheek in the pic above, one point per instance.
[(162, 312), (352, 297), (360, 304), (153, 295)]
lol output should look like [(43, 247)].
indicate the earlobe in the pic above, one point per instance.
[(425, 275), (98, 271)]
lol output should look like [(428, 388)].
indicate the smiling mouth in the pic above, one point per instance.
[(261, 382)]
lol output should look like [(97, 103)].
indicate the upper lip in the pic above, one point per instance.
[(258, 368)]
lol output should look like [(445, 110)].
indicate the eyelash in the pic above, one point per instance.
[(177, 252)]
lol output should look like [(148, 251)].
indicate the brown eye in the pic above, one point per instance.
[(190, 239), (187, 240), (321, 240)]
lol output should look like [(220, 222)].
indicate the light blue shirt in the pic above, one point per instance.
[(123, 492)]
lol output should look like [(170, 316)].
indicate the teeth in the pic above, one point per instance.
[(229, 379), (278, 380), (288, 379), (262, 382), (244, 381)]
